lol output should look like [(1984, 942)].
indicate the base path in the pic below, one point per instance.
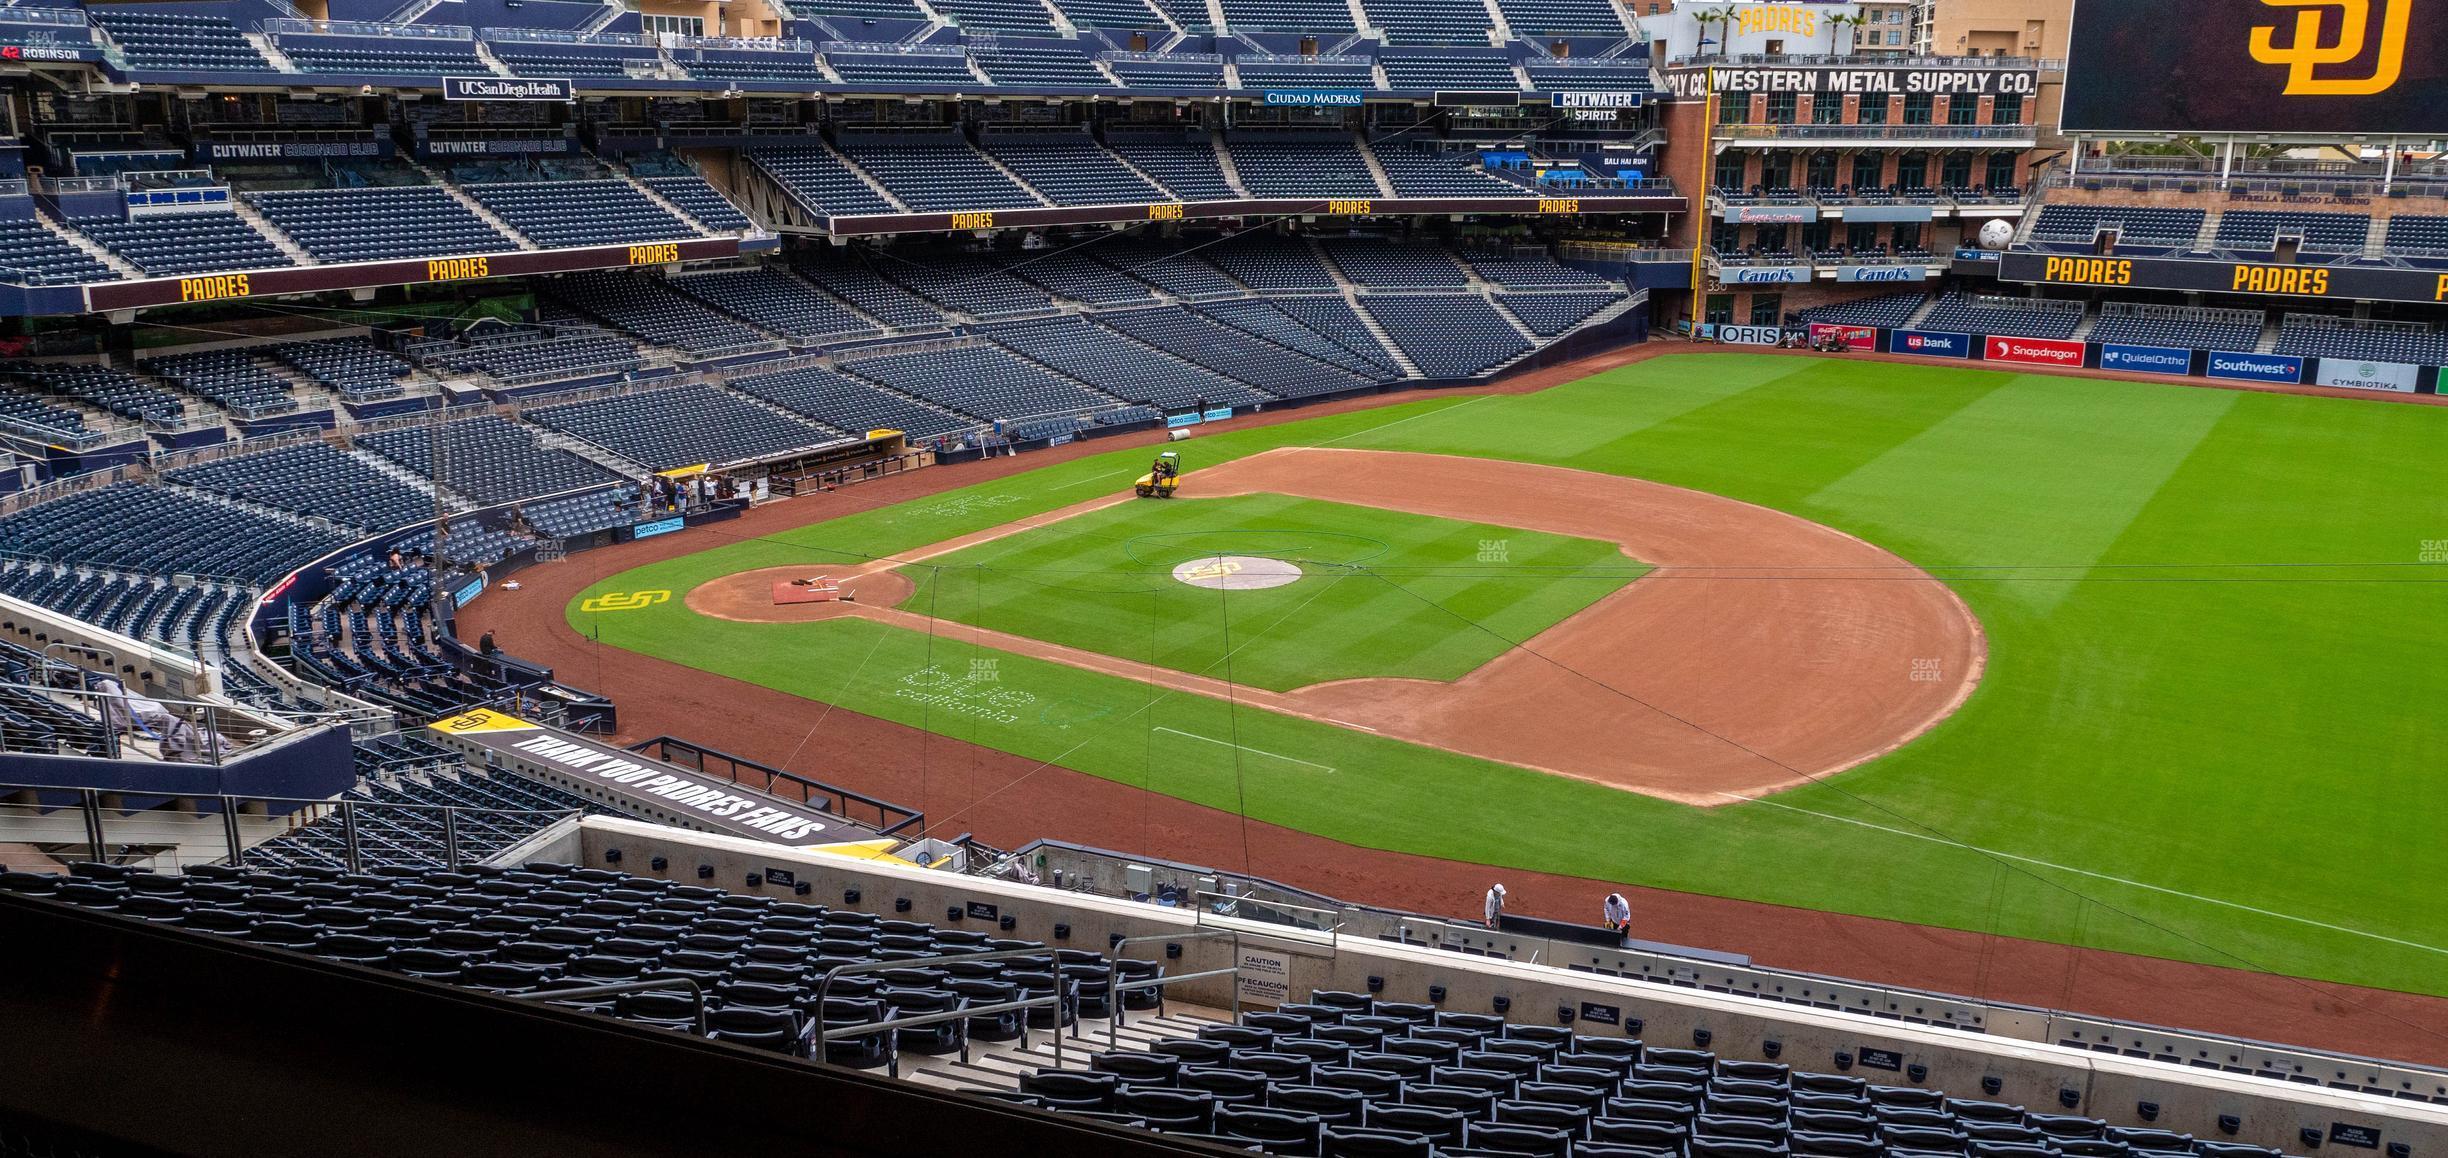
[(1763, 649), (1009, 800)]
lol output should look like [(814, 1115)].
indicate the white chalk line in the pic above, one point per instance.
[(1247, 748), (2095, 876), (1091, 479), (1406, 418)]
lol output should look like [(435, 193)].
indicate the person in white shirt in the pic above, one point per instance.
[(1618, 914), (1495, 904)]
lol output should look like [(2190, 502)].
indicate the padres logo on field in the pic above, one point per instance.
[(1211, 570), (624, 601), (2306, 53)]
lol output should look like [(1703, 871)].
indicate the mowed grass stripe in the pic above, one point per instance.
[(1063, 584), (2254, 744)]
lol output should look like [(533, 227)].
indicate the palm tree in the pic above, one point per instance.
[(1839, 22), (1723, 17)]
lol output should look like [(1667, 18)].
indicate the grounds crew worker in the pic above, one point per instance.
[(1495, 905), (1618, 914)]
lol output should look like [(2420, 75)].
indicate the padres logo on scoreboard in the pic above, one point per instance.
[(2305, 53)]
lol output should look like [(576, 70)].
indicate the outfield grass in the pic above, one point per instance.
[(2211, 728), (1103, 582)]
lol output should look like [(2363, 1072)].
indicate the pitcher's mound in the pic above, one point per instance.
[(1236, 572)]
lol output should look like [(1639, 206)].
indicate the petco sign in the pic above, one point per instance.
[(2394, 377), (2034, 352), (1749, 335), (1930, 344)]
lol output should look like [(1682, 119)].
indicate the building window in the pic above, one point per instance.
[(1863, 238), (1912, 172), (1827, 109), (1725, 238), (1823, 171), (1874, 108), (1869, 171), (2008, 110), (1781, 107), (2001, 171), (1917, 108), (1728, 176), (1767, 309), (1720, 310), (1894, 38), (1955, 171), (1733, 108), (676, 25), (1907, 237), (1963, 109)]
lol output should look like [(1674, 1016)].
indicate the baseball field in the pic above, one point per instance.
[(2121, 665)]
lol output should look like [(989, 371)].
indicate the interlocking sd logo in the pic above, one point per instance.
[(2306, 52), (624, 601)]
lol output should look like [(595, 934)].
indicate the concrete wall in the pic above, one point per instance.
[(2042, 1077)]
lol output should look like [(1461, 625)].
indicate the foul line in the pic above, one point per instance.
[(1407, 418), (1246, 748), (1092, 479), (2093, 875)]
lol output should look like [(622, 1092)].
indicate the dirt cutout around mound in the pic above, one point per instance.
[(1763, 649)]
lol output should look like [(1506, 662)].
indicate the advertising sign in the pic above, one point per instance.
[(2257, 278), (2257, 66), (2032, 351), (2243, 367), (1930, 344), (1185, 418), (1882, 273), (1765, 275), (495, 88), (1749, 335), (1768, 214), (1853, 337), (1606, 101), (1216, 414), (2146, 359), (657, 527), (1311, 98), (1692, 83), (2394, 377)]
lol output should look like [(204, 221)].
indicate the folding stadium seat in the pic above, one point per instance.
[(1173, 1111), (780, 1031), (1328, 1105), (1137, 1068), (1472, 1102), (1193, 1051), (1279, 1132), (1070, 1090), (1234, 1087)]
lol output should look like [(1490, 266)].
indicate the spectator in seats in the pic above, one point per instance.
[(399, 562), (1619, 914), (486, 646), (1495, 905)]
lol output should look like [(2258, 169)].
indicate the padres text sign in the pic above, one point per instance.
[(2262, 66)]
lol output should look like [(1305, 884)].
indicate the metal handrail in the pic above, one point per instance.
[(647, 985), (1114, 984), (824, 989)]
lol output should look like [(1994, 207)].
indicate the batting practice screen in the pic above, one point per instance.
[(2346, 67)]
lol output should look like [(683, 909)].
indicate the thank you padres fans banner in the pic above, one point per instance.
[(656, 786), (2257, 66)]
